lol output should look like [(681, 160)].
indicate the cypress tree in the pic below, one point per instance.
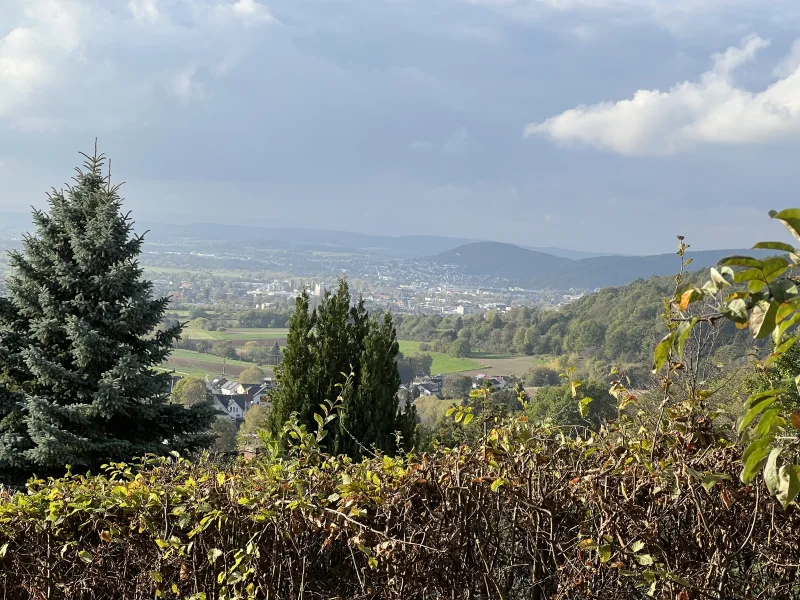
[(79, 340), (322, 350), (293, 393)]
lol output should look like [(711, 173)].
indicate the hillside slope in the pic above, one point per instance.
[(528, 268)]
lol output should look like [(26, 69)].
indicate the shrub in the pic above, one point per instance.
[(524, 514)]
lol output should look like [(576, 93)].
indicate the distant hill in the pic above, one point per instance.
[(532, 269)]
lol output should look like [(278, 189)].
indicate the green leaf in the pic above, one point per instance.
[(319, 420), (709, 481), (85, 556), (719, 279), (754, 457), (783, 290), (762, 319), (605, 553), (791, 220), (774, 267), (583, 406), (771, 471), (587, 544), (497, 483), (749, 275), (769, 421), (787, 308), (755, 410), (214, 554), (459, 416), (637, 546), (468, 418), (156, 576), (662, 352), (789, 485), (4, 550), (736, 311), (644, 559), (783, 247), (450, 411), (740, 261), (684, 329), (220, 478)]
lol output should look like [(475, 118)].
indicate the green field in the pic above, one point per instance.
[(442, 363), (237, 335), (195, 364)]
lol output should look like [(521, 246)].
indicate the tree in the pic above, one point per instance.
[(460, 348), (275, 354), (191, 391), (224, 350), (421, 363), (254, 419), (340, 350), (224, 431), (456, 386), (252, 375), (79, 343)]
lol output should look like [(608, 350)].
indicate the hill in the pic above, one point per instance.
[(533, 269)]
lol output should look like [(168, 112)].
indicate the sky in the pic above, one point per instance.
[(601, 125)]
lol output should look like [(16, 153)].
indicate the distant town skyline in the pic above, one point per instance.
[(593, 125)]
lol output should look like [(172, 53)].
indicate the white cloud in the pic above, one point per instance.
[(144, 10), (710, 110), (250, 10), (184, 85), (30, 52)]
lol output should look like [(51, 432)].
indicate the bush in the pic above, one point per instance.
[(528, 512), (541, 376)]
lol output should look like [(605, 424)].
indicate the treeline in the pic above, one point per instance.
[(617, 325)]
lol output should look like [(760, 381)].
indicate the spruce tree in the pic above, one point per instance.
[(79, 342), (335, 342)]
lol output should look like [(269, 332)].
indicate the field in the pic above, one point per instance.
[(195, 364), (442, 363), (238, 336), (507, 364)]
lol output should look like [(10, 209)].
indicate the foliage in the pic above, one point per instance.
[(252, 375), (414, 365), (191, 391), (80, 337), (456, 386), (225, 433), (561, 406), (760, 295), (334, 343), (612, 326), (526, 512), (263, 318), (541, 376)]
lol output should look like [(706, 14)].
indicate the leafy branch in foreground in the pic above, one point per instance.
[(760, 295)]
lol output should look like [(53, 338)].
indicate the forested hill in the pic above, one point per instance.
[(617, 325), (528, 268)]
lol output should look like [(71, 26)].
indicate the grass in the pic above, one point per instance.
[(195, 364), (504, 364), (442, 363), (237, 335)]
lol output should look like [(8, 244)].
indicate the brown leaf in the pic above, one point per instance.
[(796, 419), (726, 499), (684, 595), (685, 299)]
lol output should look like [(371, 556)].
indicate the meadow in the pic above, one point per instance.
[(194, 364), (442, 363), (242, 335)]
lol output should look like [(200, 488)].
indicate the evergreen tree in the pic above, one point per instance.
[(294, 375), (323, 349), (79, 340)]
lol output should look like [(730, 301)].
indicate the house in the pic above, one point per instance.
[(215, 385), (262, 393), (428, 386), (235, 405), (232, 388), (499, 382)]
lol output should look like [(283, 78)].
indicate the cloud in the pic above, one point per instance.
[(184, 85), (144, 10), (250, 10), (711, 110), (30, 52)]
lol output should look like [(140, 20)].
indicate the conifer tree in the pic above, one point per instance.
[(334, 342), (294, 375), (79, 340)]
